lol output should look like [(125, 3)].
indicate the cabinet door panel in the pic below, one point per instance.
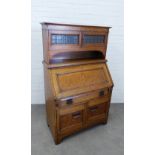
[(64, 39), (71, 119), (97, 113), (91, 39)]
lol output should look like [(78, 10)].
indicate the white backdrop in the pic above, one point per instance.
[(83, 12)]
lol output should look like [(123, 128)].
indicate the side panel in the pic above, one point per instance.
[(50, 104), (45, 45)]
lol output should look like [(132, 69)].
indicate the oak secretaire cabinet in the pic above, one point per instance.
[(78, 84)]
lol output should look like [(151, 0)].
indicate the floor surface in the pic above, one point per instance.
[(99, 140)]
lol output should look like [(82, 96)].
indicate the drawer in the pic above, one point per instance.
[(102, 95), (71, 118), (97, 110), (99, 100)]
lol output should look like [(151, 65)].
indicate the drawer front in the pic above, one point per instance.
[(97, 110), (71, 118), (103, 94), (99, 100)]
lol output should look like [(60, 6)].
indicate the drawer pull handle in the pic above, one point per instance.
[(93, 108), (69, 101), (76, 115), (101, 93)]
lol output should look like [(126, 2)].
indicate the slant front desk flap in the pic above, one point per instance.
[(70, 81)]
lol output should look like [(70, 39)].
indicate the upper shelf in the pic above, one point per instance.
[(81, 55), (73, 63)]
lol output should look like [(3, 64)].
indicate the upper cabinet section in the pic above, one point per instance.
[(61, 38)]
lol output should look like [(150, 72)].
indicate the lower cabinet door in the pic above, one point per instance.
[(96, 112), (71, 120)]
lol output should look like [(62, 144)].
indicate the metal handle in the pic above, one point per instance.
[(76, 115), (101, 93), (69, 101), (93, 108)]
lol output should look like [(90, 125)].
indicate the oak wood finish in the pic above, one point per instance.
[(78, 84)]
